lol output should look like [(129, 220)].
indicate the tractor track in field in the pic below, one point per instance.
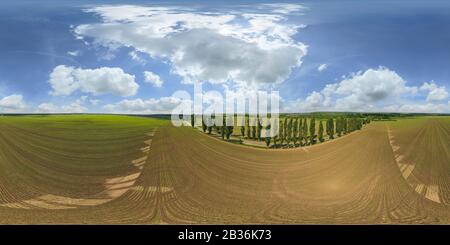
[(186, 177), (271, 187), (425, 184), (114, 187)]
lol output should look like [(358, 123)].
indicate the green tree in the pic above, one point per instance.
[(339, 126), (327, 125), (209, 125), (204, 124), (349, 125), (345, 125), (253, 132), (247, 125), (321, 132), (268, 136), (286, 131), (275, 140), (229, 131), (258, 124), (312, 130), (209, 129), (295, 131), (242, 128), (212, 123), (267, 141), (305, 130), (222, 130), (229, 127), (257, 129), (274, 129), (353, 124), (300, 131), (330, 128), (289, 131), (359, 123), (193, 120), (281, 128)]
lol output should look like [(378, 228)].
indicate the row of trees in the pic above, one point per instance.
[(300, 133), (224, 131), (296, 130)]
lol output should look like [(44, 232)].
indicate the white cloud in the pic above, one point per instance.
[(12, 104), (47, 108), (136, 56), (368, 90), (82, 99), (245, 48), (285, 8), (75, 107), (322, 67), (162, 105), (419, 108), (74, 53), (314, 100), (153, 79), (435, 93), (64, 80), (94, 101), (374, 85), (70, 108)]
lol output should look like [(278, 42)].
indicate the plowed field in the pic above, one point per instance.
[(98, 169)]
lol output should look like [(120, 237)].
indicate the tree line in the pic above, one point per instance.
[(293, 131), (299, 131)]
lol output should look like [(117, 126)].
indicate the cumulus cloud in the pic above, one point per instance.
[(70, 108), (322, 67), (419, 108), (435, 92), (65, 80), (374, 85), (314, 100), (368, 90), (75, 107), (163, 105), (12, 104), (153, 79), (47, 108), (246, 48)]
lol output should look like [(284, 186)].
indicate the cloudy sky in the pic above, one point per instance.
[(131, 56)]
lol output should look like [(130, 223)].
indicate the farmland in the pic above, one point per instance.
[(120, 169)]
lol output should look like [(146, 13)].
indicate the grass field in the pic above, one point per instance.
[(118, 169)]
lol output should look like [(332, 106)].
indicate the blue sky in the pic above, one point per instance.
[(131, 56)]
